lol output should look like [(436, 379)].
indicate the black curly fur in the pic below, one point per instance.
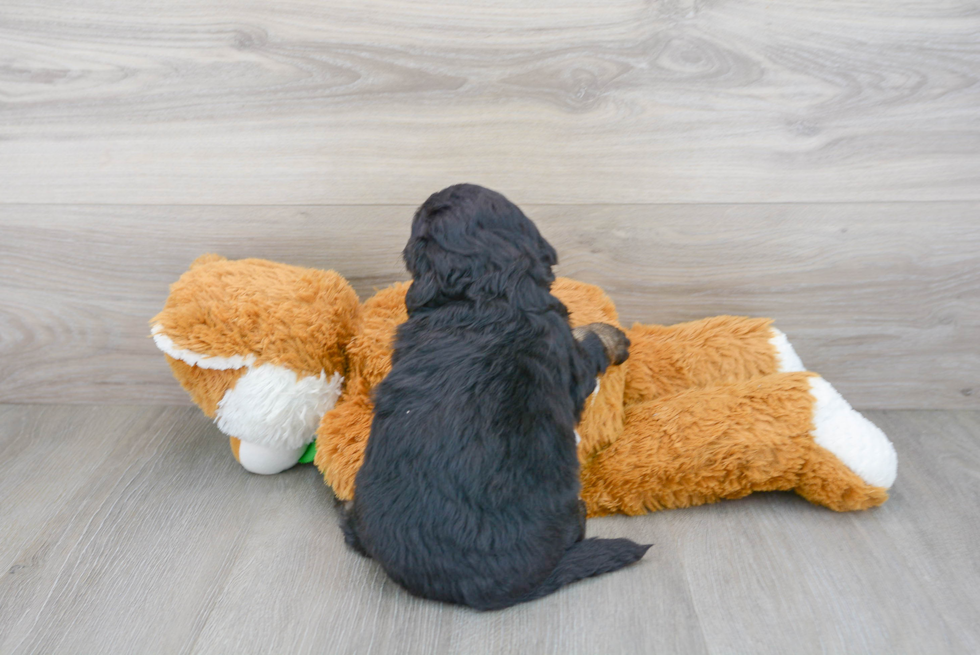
[(469, 491)]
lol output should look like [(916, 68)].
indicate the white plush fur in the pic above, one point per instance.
[(789, 361), (200, 360), (267, 461), (858, 442), (270, 407)]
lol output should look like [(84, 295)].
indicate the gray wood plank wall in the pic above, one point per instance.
[(814, 162)]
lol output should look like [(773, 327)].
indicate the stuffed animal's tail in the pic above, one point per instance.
[(585, 559)]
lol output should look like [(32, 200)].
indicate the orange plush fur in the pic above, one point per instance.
[(206, 386), (698, 413), (705, 444), (299, 318)]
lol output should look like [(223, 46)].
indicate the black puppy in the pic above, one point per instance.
[(469, 491)]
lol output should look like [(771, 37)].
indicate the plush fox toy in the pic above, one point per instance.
[(719, 408)]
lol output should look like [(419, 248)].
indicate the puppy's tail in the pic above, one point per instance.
[(588, 558)]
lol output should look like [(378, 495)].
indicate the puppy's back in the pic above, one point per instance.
[(469, 491)]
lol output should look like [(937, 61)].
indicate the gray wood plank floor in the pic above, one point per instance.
[(130, 529)]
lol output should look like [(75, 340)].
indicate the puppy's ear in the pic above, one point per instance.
[(425, 285), (548, 255), (438, 274)]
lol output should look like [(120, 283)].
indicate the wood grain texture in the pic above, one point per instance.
[(131, 529), (882, 299), (95, 549), (570, 101), (901, 578)]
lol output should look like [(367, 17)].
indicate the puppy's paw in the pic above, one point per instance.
[(614, 340)]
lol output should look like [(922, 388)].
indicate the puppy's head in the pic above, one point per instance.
[(469, 242)]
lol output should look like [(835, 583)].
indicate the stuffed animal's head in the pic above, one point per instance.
[(260, 347)]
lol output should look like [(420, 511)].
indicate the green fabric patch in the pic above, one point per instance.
[(308, 454)]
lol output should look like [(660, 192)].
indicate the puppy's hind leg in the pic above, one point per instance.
[(583, 513), (575, 530), (348, 525)]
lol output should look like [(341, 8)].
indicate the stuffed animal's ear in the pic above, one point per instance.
[(207, 259), (225, 314)]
